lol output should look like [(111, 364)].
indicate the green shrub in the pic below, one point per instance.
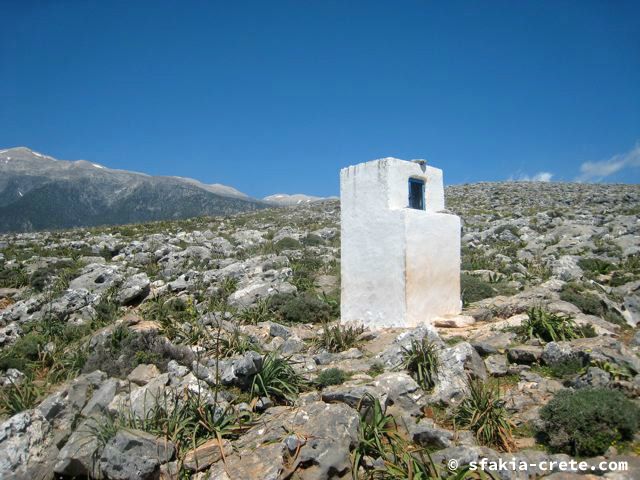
[(589, 303), (256, 313), (288, 243), (277, 380), (338, 338), (13, 277), (549, 327), (474, 289), (587, 422), (331, 376), (376, 368), (124, 350), (185, 418), (420, 359), (484, 413), (18, 397), (312, 240), (302, 308), (596, 266), (233, 343), (24, 351)]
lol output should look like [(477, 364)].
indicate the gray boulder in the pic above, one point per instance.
[(135, 454), (134, 288)]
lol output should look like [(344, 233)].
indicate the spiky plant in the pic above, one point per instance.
[(277, 380), (420, 359), (549, 327), (338, 338), (18, 397), (483, 412)]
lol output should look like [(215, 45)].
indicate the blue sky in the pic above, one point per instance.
[(277, 96)]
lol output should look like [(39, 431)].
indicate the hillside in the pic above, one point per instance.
[(38, 192), (209, 347)]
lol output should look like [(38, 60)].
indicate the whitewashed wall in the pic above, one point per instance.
[(400, 266)]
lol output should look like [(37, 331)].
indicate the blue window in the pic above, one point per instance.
[(416, 193)]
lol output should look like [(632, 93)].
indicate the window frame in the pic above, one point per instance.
[(422, 183)]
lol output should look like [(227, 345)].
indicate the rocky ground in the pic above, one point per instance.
[(208, 348)]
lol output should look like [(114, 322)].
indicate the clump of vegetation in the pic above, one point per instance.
[(567, 368), (589, 303), (288, 243), (179, 321), (234, 343), (277, 380), (304, 271), (474, 289), (596, 266), (13, 277), (259, 312), (484, 413), (551, 327), (62, 270), (378, 438), (18, 397), (312, 240), (420, 358), (587, 422), (124, 350), (376, 368), (338, 338), (331, 376), (24, 351), (185, 418), (302, 308)]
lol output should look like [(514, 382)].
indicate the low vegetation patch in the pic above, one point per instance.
[(301, 308), (474, 289), (420, 359), (338, 338), (551, 327), (19, 396), (589, 303), (331, 376), (587, 422), (277, 380), (483, 412)]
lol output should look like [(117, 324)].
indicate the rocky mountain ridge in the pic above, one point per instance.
[(210, 348), (39, 192)]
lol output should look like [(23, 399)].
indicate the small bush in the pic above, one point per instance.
[(549, 327), (18, 397), (288, 243), (376, 368), (420, 359), (474, 289), (587, 422), (338, 338), (256, 313), (13, 277), (124, 350), (234, 343), (589, 303), (185, 418), (20, 355), (312, 240), (277, 380), (596, 266), (304, 308), (331, 376), (483, 412)]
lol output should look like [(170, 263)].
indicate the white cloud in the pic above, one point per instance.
[(596, 171), (538, 177)]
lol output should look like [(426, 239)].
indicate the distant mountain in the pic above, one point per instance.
[(38, 192), (282, 199)]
